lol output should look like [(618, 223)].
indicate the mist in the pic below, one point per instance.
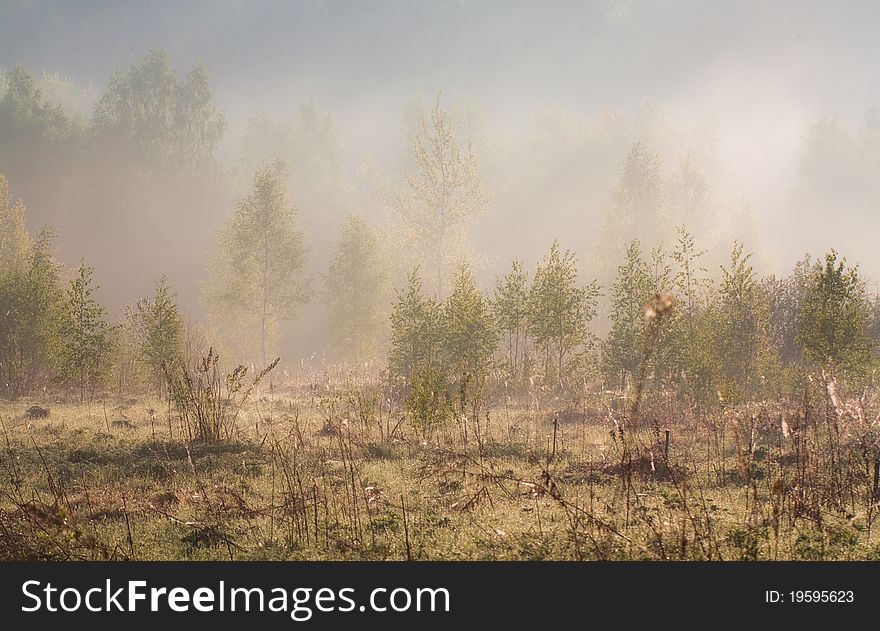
[(772, 106)]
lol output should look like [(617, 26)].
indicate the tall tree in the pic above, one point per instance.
[(415, 332), (833, 316), (442, 196), (633, 287), (160, 329), (147, 112), (85, 335), (29, 301), (511, 310), (560, 310), (356, 292), (261, 257), (469, 336)]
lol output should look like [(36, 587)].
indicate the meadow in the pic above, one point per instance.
[(328, 468)]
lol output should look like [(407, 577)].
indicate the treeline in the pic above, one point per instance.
[(675, 327), (676, 330)]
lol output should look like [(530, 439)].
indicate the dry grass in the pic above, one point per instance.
[(329, 469)]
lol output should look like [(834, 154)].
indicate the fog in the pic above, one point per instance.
[(770, 104)]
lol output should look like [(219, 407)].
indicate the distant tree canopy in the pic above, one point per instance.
[(623, 348), (834, 316), (148, 113)]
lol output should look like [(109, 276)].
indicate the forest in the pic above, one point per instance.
[(239, 337)]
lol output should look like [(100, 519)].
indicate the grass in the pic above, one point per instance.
[(333, 472)]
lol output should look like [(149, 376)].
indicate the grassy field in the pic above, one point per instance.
[(333, 471)]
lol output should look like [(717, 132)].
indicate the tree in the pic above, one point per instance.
[(833, 317), (559, 310), (442, 197), (27, 118), (85, 335), (785, 298), (690, 279), (623, 349), (511, 310), (29, 305), (261, 257), (149, 112), (310, 146), (741, 340), (356, 291), (415, 332), (636, 209), (160, 329), (469, 337), (14, 240)]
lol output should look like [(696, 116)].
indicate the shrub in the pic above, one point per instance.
[(207, 401)]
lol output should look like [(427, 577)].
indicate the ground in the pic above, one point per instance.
[(321, 471)]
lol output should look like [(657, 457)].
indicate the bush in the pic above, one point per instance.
[(208, 402)]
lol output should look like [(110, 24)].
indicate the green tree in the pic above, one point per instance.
[(511, 310), (833, 317), (160, 329), (741, 339), (469, 337), (442, 197), (14, 240), (85, 335), (690, 280), (559, 310), (261, 258), (28, 121), (356, 292), (623, 349), (415, 332), (785, 297), (29, 301)]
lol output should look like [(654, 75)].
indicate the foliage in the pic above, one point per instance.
[(415, 332), (356, 292), (833, 317), (741, 336), (469, 337), (428, 404), (159, 326), (511, 311), (623, 348), (84, 352), (261, 257), (29, 302), (148, 110), (560, 310), (442, 197), (207, 402), (785, 298)]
